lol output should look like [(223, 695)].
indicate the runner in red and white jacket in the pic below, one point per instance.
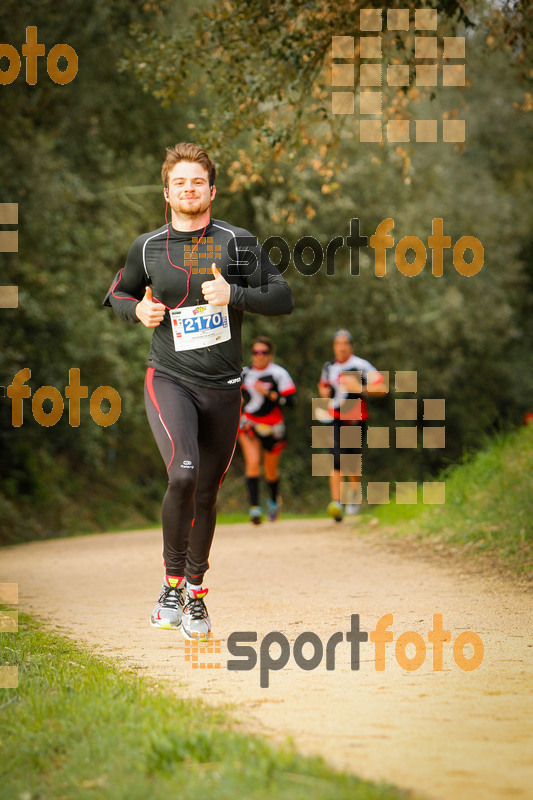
[(344, 382), (267, 389)]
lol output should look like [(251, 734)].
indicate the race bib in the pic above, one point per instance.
[(199, 326)]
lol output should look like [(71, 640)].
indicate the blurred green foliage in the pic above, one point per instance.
[(83, 160)]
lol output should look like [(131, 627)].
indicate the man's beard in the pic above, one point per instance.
[(194, 207)]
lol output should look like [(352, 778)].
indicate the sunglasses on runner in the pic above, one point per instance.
[(260, 352)]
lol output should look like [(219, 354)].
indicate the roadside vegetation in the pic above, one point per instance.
[(488, 508), (77, 728)]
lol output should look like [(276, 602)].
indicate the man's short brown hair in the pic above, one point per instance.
[(264, 340), (186, 151)]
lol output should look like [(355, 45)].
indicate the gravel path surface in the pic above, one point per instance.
[(446, 733)]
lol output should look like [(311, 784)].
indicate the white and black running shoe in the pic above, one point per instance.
[(195, 622), (168, 610)]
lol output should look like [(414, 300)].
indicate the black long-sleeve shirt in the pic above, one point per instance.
[(255, 285)]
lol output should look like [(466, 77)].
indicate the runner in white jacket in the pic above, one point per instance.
[(267, 389)]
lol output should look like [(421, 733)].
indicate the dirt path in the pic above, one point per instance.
[(448, 734)]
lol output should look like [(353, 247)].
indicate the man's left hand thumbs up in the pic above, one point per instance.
[(216, 291)]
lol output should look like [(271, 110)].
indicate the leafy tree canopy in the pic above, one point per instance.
[(262, 69)]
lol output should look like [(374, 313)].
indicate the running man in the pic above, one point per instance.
[(345, 381), (267, 388), (191, 280)]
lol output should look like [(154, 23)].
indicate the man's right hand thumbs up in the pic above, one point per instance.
[(149, 311)]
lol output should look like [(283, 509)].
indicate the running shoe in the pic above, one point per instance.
[(256, 515), (273, 510), (195, 620), (168, 610), (351, 509), (335, 510)]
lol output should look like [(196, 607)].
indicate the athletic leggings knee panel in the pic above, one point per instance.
[(183, 481)]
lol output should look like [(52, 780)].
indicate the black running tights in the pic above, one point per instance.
[(195, 429)]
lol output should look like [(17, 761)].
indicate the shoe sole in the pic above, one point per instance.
[(165, 626), (255, 520), (201, 637), (336, 517)]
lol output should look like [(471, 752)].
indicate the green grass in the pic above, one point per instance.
[(489, 504), (77, 728), (223, 518), (231, 518)]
